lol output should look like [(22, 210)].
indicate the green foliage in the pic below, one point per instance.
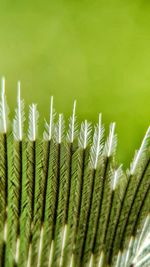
[(64, 199)]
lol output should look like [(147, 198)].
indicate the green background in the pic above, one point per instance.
[(97, 52)]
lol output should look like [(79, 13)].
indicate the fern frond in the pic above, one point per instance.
[(37, 222), (95, 155), (61, 224), (18, 126), (142, 243), (70, 149), (115, 176), (64, 202), (80, 159), (17, 187), (41, 185), (13, 215), (89, 176), (31, 151), (105, 196), (15, 208), (139, 209), (65, 190), (46, 158), (83, 142), (3, 192), (134, 182), (25, 218), (29, 203), (73, 208), (92, 216), (138, 249), (134, 202), (49, 209), (88, 190), (60, 211), (114, 211), (53, 192)]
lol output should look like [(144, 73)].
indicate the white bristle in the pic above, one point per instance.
[(4, 106)]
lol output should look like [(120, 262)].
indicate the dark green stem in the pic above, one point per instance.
[(131, 206), (88, 212), (46, 179), (69, 182), (100, 206)]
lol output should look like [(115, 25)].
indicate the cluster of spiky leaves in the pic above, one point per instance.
[(64, 200)]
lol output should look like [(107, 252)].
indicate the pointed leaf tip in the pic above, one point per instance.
[(97, 146), (33, 122), (51, 117), (116, 176), (110, 146), (3, 109), (85, 134), (139, 153)]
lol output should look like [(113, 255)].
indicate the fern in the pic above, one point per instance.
[(41, 188), (64, 199)]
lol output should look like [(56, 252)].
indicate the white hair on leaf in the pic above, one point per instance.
[(72, 125), (91, 261), (138, 249), (117, 174), (49, 127), (85, 134), (18, 122), (59, 129), (128, 253), (118, 259), (63, 245), (101, 259), (145, 230), (98, 143), (111, 143), (142, 242), (33, 122), (4, 111), (139, 153)]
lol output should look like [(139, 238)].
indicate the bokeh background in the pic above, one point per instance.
[(97, 52)]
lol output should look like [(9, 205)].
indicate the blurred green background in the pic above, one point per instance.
[(97, 52)]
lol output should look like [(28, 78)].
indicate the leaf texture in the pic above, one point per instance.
[(64, 199)]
